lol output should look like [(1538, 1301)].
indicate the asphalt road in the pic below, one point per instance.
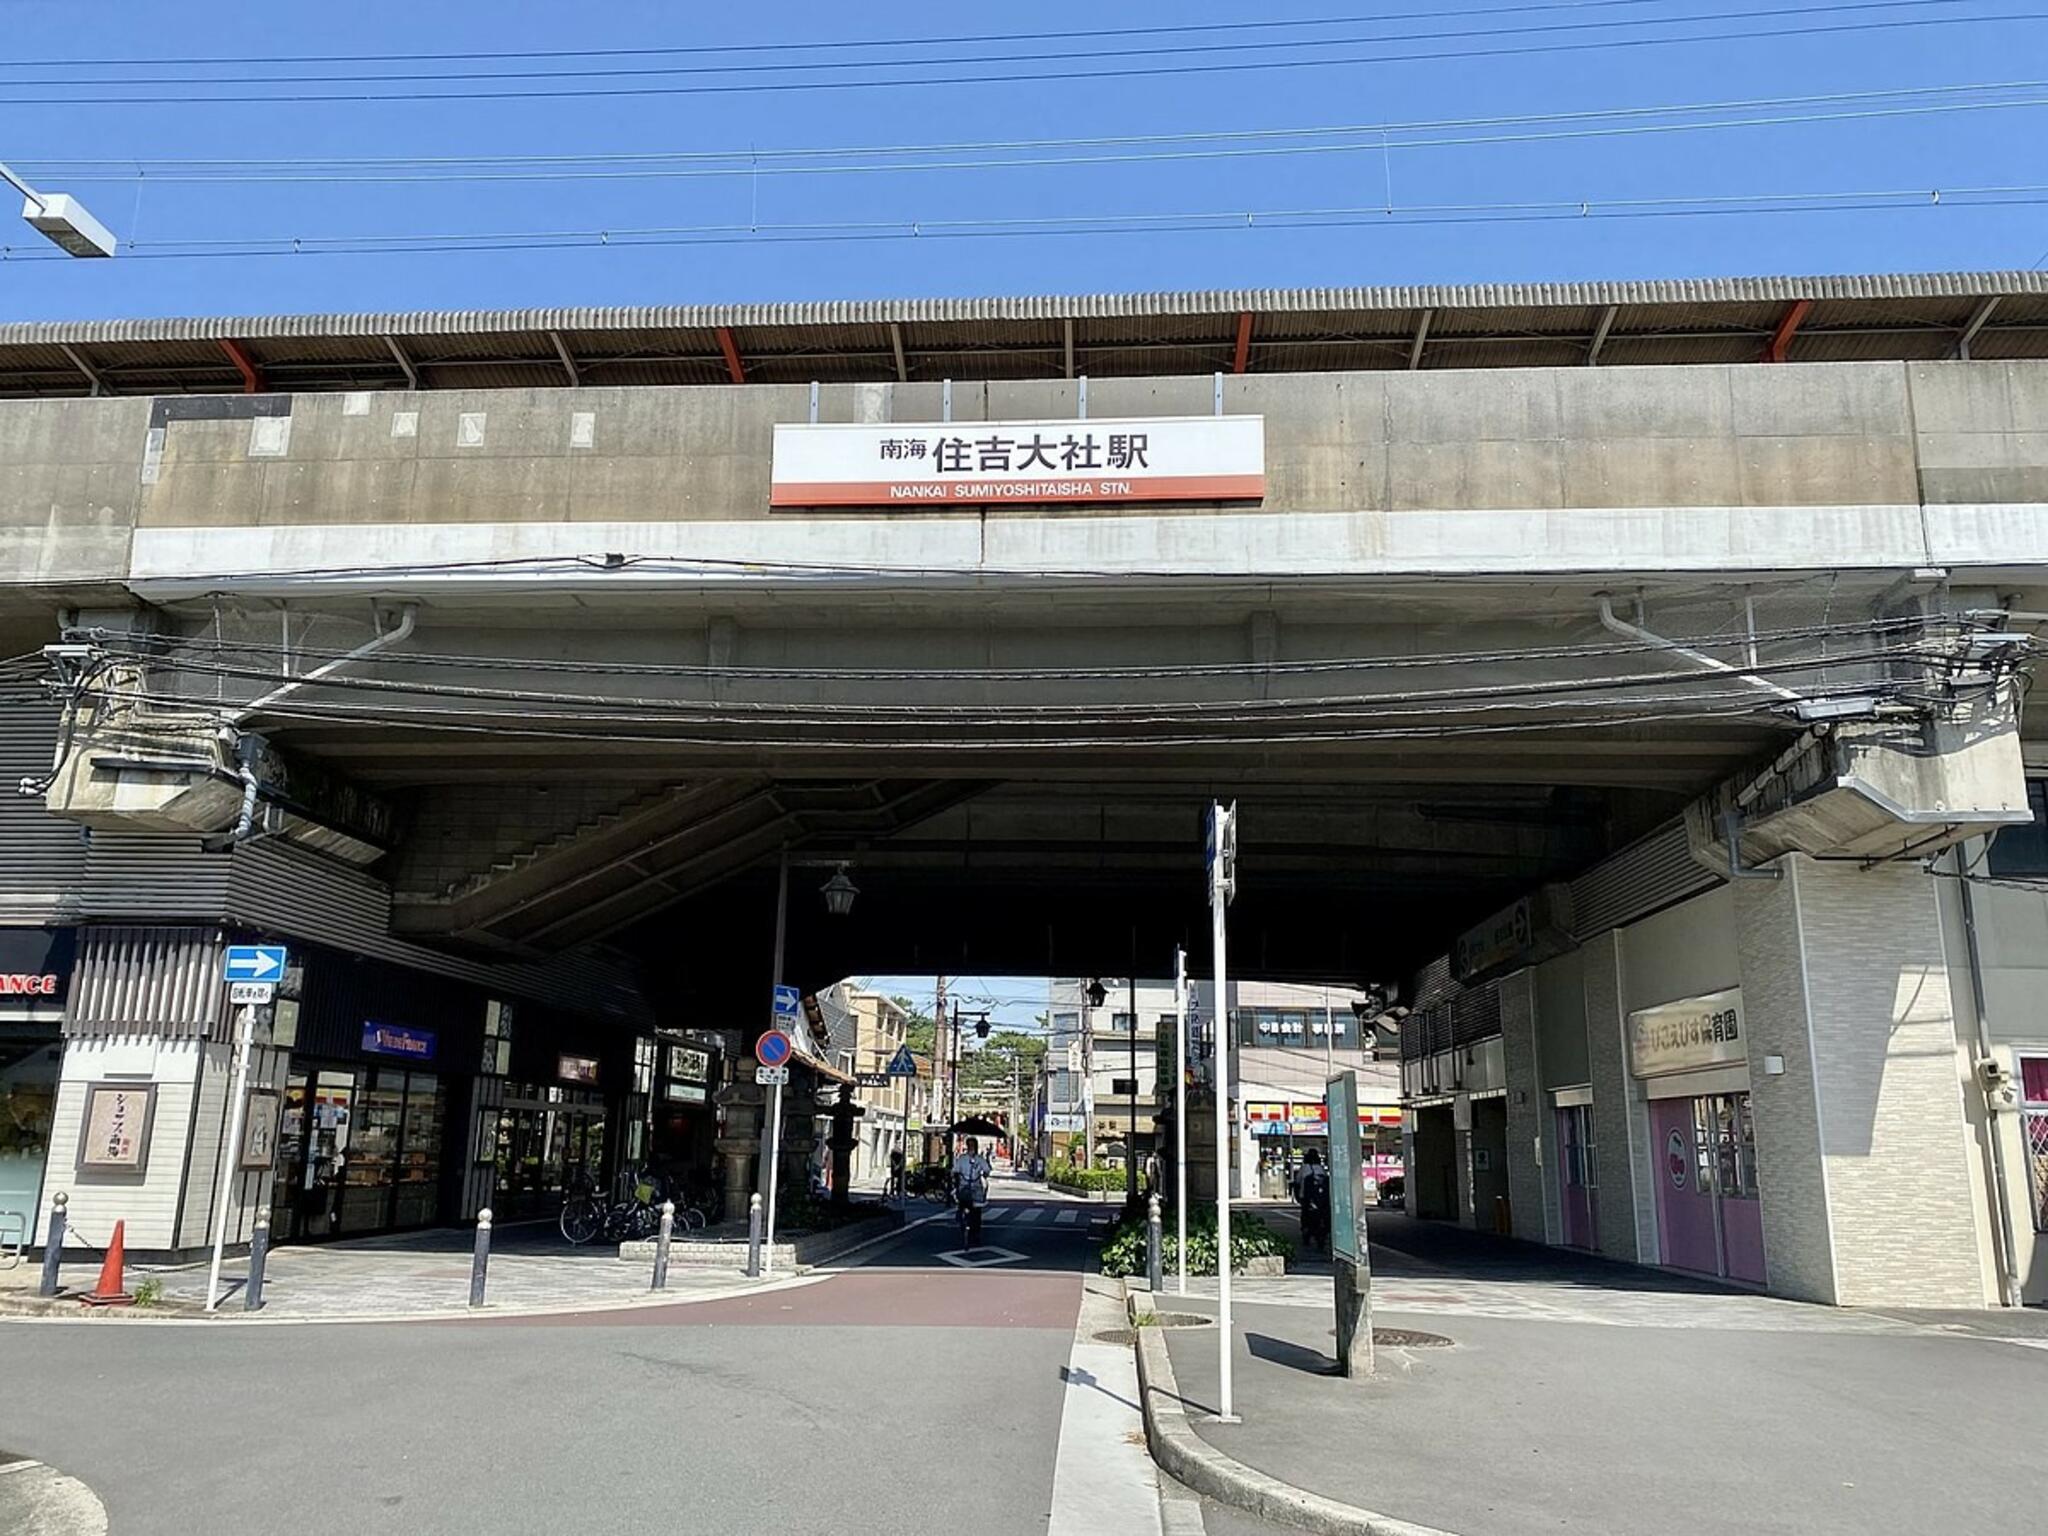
[(907, 1393)]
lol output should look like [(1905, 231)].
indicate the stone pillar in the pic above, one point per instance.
[(739, 1145), (1528, 1142), (842, 1141), (1627, 1217), (1861, 1160)]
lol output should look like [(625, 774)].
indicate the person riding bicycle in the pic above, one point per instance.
[(970, 1190), (1312, 1192)]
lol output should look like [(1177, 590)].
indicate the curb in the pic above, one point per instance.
[(40, 1500), (1185, 1456)]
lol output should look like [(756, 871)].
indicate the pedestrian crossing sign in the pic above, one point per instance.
[(902, 1064)]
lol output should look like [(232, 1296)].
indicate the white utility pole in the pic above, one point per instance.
[(231, 1154), (1222, 886), (773, 1127), (1180, 1113)]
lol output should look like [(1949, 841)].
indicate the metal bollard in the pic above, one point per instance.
[(1153, 1247), (53, 1250), (259, 1250), (668, 1225), (754, 1238), (482, 1262)]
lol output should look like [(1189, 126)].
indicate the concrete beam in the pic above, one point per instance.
[(1982, 313), (1241, 360), (412, 374), (568, 362), (1600, 335)]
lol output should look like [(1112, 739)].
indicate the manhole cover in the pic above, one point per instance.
[(1407, 1338)]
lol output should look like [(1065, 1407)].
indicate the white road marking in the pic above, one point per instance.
[(1068, 1217), (1030, 1213), (982, 1258), (1103, 1479)]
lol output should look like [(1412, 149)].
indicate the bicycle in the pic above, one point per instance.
[(637, 1216)]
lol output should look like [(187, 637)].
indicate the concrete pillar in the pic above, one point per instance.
[(1861, 1160), (1528, 1140), (1461, 1157), (1627, 1218)]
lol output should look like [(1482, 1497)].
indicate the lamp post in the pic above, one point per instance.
[(1095, 994), (62, 219)]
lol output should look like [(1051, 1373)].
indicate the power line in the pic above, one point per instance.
[(859, 231), (756, 155), (893, 61), (1294, 145), (1234, 66)]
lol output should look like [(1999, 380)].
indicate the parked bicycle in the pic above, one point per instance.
[(632, 1217)]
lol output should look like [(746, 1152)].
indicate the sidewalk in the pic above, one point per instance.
[(418, 1275), (1611, 1408)]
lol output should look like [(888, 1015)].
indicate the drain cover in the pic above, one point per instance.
[(1183, 1320), (1123, 1336), (1407, 1338)]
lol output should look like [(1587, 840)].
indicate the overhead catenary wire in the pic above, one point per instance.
[(816, 44), (1323, 59), (895, 59), (1931, 199), (1364, 142)]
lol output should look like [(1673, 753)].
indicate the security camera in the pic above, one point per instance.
[(1996, 1081)]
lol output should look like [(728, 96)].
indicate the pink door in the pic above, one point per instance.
[(1742, 1218), (1685, 1195), (1575, 1176)]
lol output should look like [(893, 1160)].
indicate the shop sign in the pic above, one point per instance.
[(34, 965), (1067, 1123), (684, 1093), (396, 1040), (259, 1133), (1346, 1242), (1307, 1120), (116, 1133), (689, 1063), (576, 1069), (1684, 1036), (1164, 458)]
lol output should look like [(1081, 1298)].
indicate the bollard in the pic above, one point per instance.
[(668, 1225), (754, 1238), (53, 1250), (1152, 1247), (259, 1250), (482, 1261)]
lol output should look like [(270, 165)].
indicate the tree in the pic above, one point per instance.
[(1006, 1055), (920, 1031)]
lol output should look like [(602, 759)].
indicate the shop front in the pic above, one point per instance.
[(35, 970), (1283, 1130), (1690, 1057)]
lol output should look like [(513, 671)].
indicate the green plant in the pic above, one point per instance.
[(149, 1292), (1091, 1180), (1250, 1238)]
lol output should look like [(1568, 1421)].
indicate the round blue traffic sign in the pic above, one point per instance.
[(774, 1049)]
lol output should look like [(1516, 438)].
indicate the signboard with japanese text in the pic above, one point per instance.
[(1164, 458), (576, 1069), (1684, 1036), (259, 1130), (397, 1040), (115, 1138), (1345, 1181)]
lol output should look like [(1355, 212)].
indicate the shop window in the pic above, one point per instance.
[(643, 1064), (2024, 850), (497, 1060), (2034, 1126)]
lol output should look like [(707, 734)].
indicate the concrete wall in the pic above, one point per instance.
[(1526, 469), (1560, 1006), (1527, 1144)]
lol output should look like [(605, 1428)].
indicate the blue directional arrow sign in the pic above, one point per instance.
[(902, 1064), (787, 1002), (253, 962)]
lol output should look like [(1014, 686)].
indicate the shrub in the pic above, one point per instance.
[(1250, 1238), (149, 1292), (1089, 1180)]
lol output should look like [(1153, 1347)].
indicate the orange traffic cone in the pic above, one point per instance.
[(108, 1292)]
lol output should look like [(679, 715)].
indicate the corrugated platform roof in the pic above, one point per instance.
[(1490, 325)]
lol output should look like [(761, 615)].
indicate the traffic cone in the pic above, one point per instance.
[(108, 1292)]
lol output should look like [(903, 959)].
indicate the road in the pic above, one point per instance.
[(917, 1389)]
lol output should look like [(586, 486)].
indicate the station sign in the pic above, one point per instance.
[(1158, 458)]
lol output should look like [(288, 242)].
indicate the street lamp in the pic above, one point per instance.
[(839, 893), (62, 219)]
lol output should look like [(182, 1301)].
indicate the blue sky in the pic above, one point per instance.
[(1985, 148)]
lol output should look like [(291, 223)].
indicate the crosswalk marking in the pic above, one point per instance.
[(1031, 1213), (1068, 1217), (994, 1213)]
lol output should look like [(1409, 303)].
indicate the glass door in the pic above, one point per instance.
[(293, 1137)]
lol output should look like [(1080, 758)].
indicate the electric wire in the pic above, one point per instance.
[(1068, 226), (1024, 77), (895, 61), (815, 45)]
